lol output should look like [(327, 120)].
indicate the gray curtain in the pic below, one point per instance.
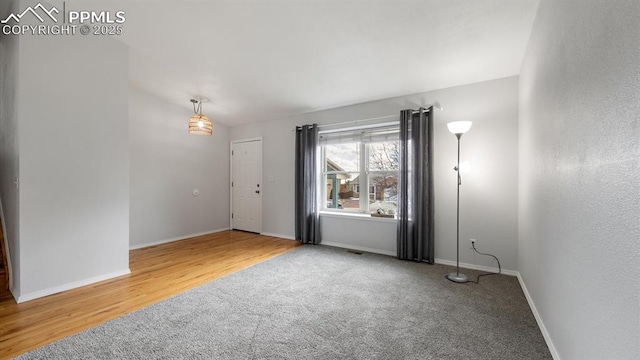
[(307, 216), (415, 186)]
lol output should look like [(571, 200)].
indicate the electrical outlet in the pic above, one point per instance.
[(472, 242)]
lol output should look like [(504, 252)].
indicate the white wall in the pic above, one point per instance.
[(579, 188), (74, 162), (9, 169), (488, 194), (167, 164)]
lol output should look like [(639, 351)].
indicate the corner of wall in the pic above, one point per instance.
[(9, 145), (75, 221), (163, 178)]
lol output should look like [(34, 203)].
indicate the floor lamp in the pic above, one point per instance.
[(458, 128)]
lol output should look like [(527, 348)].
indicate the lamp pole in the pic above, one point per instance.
[(458, 131)]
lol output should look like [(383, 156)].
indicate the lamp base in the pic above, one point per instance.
[(457, 277)]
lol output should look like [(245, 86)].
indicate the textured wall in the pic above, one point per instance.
[(579, 176), (488, 195), (167, 163)]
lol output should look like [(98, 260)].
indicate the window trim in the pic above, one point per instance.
[(364, 183), (363, 178)]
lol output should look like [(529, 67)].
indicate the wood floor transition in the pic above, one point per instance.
[(157, 272)]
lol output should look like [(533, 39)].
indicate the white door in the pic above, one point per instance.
[(246, 186)]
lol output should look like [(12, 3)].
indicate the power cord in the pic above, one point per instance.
[(473, 245)]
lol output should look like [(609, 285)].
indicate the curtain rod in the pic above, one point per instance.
[(436, 105)]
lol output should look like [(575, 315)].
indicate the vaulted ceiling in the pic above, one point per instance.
[(266, 59)]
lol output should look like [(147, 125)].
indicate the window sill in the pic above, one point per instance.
[(356, 216)]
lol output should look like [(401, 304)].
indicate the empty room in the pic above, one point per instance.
[(320, 179)]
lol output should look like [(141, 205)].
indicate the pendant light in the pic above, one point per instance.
[(199, 124)]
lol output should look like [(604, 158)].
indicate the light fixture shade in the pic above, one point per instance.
[(200, 125), (459, 127)]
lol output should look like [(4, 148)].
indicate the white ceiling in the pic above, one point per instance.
[(266, 59)]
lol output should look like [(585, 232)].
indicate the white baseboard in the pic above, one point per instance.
[(475, 267), (278, 236), (14, 293), (536, 315), (359, 248), (76, 284), (159, 242)]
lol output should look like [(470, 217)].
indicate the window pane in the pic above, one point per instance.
[(341, 192), (383, 191), (343, 157), (384, 155)]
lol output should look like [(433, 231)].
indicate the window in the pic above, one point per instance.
[(360, 169)]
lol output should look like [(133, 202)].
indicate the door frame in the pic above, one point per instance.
[(231, 143)]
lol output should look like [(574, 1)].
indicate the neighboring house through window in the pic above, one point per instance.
[(335, 176)]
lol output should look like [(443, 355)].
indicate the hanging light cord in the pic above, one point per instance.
[(473, 245)]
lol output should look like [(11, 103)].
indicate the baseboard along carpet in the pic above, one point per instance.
[(319, 302)]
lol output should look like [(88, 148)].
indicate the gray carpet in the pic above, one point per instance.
[(318, 302)]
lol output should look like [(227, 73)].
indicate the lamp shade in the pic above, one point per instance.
[(200, 125), (459, 127)]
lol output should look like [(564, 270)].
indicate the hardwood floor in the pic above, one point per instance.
[(157, 272)]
